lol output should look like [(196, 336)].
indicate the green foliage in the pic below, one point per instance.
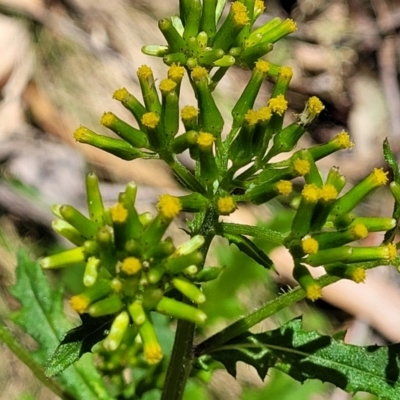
[(41, 315), (308, 355)]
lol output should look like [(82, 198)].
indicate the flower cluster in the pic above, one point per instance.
[(130, 269), (194, 38)]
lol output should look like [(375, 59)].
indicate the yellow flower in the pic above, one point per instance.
[(169, 206)]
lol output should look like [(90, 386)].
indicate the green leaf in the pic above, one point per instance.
[(41, 316), (77, 341), (246, 246), (309, 355), (391, 160)]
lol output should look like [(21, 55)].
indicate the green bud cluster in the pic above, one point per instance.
[(130, 269), (198, 37)]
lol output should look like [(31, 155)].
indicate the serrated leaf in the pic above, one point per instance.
[(41, 316), (249, 248), (77, 342), (309, 355)]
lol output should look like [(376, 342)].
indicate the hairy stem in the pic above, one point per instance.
[(244, 324)]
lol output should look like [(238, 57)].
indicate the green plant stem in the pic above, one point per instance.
[(254, 231), (244, 324), (26, 358), (181, 361)]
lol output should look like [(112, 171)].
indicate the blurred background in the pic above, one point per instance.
[(60, 62)]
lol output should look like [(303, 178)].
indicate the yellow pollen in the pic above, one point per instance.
[(264, 114), (167, 85), (199, 73), (379, 177), (169, 206), (121, 94), (313, 292), (176, 72), (108, 119), (311, 193), (144, 72), (285, 72), (262, 66), (309, 245), (189, 112), (392, 250), (301, 167), (328, 192), (205, 140), (251, 117), (284, 188), (79, 303), (358, 275), (278, 104), (152, 353), (226, 205), (119, 213), (360, 231), (150, 120), (240, 15), (343, 140), (259, 6), (131, 265), (81, 133), (315, 105), (289, 25)]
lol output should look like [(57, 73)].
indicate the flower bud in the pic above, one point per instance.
[(180, 310), (107, 306), (151, 346), (117, 331), (94, 199), (64, 259), (188, 289)]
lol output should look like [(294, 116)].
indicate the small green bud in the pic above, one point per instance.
[(68, 231), (307, 282), (176, 264), (151, 346), (137, 313), (177, 309), (175, 58), (149, 91), (99, 290), (329, 256), (117, 331), (91, 271), (184, 141), (175, 41), (208, 20), (155, 50), (192, 20), (208, 274), (188, 289), (64, 259), (190, 246), (94, 199), (118, 148), (107, 306)]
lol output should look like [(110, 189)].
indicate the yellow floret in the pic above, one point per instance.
[(343, 139), (226, 205), (328, 192), (315, 105), (119, 213), (259, 6), (189, 112), (392, 251), (360, 231), (311, 193), (199, 73), (144, 72), (80, 134), (205, 140), (309, 245), (289, 25), (240, 14), (131, 265), (379, 177), (262, 66), (107, 119), (278, 104), (79, 303), (358, 275), (286, 72), (167, 85), (264, 114), (169, 206), (301, 167), (314, 292), (121, 94), (176, 72), (251, 117), (152, 353), (284, 188), (150, 120)]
